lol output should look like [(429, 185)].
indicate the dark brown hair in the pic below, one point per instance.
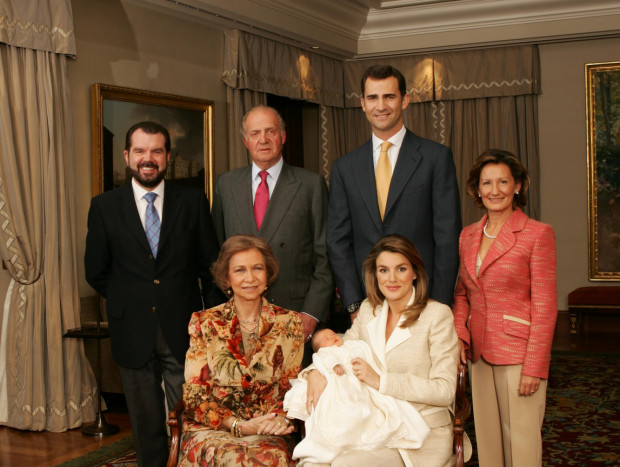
[(150, 128), (397, 244), (237, 244), (380, 72), (499, 156)]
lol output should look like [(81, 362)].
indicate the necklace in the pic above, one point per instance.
[(254, 321), (250, 329), (484, 229)]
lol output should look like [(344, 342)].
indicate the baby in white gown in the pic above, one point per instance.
[(350, 415)]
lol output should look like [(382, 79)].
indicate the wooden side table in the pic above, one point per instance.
[(97, 331)]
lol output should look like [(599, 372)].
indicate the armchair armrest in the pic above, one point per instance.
[(175, 422), (462, 411)]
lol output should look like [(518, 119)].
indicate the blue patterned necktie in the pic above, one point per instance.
[(152, 224)]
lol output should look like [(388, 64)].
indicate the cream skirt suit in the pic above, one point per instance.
[(419, 365)]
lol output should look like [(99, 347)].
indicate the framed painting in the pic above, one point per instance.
[(603, 122), (189, 121)]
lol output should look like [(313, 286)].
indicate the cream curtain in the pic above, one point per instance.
[(38, 25), (47, 383), (469, 126), (259, 64)]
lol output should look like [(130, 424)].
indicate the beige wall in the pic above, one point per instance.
[(563, 154), (125, 44)]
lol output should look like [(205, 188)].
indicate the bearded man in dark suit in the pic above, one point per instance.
[(418, 197), (148, 244)]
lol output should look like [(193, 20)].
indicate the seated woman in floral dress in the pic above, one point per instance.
[(241, 357)]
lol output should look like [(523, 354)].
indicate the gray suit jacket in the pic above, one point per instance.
[(423, 205), (294, 227)]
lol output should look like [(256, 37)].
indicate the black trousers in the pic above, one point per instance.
[(145, 402)]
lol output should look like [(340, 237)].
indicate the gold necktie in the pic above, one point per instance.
[(383, 176)]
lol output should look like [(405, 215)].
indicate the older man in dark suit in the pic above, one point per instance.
[(395, 183), (148, 243), (287, 207)]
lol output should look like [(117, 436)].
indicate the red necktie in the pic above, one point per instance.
[(261, 200)]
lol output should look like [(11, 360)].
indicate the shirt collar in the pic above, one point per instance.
[(274, 170), (396, 140), (139, 192)]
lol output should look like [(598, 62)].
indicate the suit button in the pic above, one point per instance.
[(154, 309), (156, 281), (282, 245)]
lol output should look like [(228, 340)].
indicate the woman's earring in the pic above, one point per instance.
[(229, 292), (517, 192), (479, 195)]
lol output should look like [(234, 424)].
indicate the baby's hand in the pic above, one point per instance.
[(339, 370)]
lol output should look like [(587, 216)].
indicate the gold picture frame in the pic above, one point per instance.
[(603, 122), (188, 120)]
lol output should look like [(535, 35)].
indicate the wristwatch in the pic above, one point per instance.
[(353, 307)]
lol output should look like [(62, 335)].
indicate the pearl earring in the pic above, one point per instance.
[(516, 192), (479, 195)]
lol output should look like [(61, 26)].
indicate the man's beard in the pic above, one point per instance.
[(150, 182)]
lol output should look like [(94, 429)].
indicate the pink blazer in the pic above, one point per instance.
[(507, 315)]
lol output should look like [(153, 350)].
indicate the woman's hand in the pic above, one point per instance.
[(270, 424), (316, 386), (528, 385), (364, 372), (462, 354)]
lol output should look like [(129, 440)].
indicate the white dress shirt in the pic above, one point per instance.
[(272, 178), (141, 203), (397, 142)]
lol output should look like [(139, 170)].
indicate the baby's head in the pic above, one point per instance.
[(325, 338)]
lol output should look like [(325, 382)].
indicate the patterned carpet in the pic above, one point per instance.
[(582, 420), (581, 428)]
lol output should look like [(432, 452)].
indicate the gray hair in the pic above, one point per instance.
[(264, 107)]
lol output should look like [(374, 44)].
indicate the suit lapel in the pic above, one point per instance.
[(172, 203), (129, 214), (241, 193), (281, 199), (505, 240), (471, 245), (365, 178), (409, 158), (376, 333)]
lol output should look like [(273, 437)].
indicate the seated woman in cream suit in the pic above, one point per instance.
[(413, 344)]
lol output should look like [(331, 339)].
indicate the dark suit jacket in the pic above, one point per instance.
[(294, 227), (140, 289), (423, 205)]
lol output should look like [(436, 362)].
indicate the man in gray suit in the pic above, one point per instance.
[(291, 220), (420, 198)]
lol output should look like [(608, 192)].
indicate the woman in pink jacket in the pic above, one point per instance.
[(505, 309)]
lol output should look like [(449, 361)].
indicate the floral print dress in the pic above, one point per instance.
[(221, 381)]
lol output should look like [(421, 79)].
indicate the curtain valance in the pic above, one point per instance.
[(259, 64), (468, 74), (42, 25)]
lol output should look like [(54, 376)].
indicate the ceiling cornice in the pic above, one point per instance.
[(400, 26), (347, 29), (332, 26)]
